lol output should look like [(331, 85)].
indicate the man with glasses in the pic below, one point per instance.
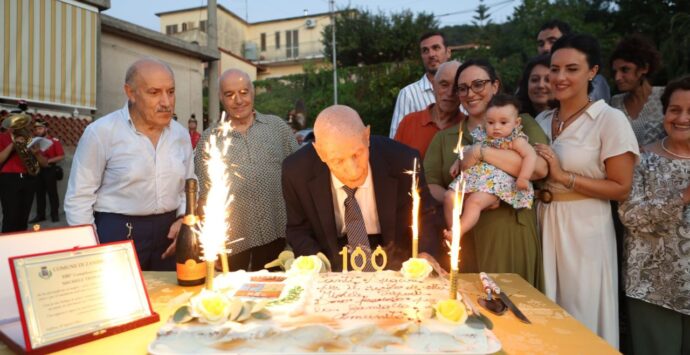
[(548, 34), (420, 94)]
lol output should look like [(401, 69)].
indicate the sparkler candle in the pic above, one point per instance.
[(456, 230), (415, 210), (458, 147), (213, 229)]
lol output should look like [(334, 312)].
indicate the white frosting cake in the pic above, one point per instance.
[(333, 312)]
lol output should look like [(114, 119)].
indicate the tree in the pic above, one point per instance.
[(667, 23), (482, 17), (512, 43), (364, 38)]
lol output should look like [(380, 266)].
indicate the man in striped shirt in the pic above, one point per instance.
[(420, 94)]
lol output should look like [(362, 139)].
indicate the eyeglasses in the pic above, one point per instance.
[(477, 86)]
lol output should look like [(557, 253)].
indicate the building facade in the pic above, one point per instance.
[(264, 49), (64, 57)]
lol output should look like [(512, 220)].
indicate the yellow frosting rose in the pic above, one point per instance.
[(306, 265), (210, 307), (451, 311), (416, 269)]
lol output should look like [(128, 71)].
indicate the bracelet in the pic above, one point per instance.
[(571, 182)]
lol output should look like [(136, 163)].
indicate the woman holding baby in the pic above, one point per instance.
[(504, 239)]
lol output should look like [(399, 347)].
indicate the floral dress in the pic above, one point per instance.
[(656, 255), (484, 177)]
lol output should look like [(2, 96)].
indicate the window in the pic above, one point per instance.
[(292, 44), (170, 29), (263, 42), (277, 40), (202, 25), (184, 26)]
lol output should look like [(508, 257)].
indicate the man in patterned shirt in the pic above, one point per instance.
[(420, 94), (259, 143)]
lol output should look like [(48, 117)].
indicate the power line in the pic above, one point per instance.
[(489, 6)]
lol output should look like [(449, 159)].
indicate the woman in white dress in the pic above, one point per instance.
[(591, 159)]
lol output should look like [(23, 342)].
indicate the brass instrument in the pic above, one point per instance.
[(21, 124)]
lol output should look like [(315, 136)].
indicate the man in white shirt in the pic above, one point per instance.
[(130, 166), (420, 94)]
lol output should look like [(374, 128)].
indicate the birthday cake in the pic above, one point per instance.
[(355, 312)]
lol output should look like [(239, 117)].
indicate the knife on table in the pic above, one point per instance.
[(504, 297)]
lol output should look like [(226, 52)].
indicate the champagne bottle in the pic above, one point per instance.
[(191, 270)]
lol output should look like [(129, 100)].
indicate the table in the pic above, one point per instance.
[(553, 330)]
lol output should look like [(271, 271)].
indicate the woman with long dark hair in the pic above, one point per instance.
[(534, 91), (505, 239)]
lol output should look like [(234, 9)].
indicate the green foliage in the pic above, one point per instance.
[(676, 48), (365, 38), (378, 54), (460, 34), (371, 90), (666, 23)]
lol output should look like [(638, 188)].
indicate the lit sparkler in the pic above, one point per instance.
[(415, 210), (213, 229), (456, 229)]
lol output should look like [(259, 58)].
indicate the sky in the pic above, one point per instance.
[(448, 12)]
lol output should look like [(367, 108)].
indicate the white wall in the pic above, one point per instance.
[(118, 53)]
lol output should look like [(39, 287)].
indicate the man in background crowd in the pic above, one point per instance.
[(548, 34), (418, 128), (420, 94), (193, 133), (47, 177)]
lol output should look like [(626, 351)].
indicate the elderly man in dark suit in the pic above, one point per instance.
[(352, 189)]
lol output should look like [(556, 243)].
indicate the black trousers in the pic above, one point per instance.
[(255, 258), (149, 233), (47, 184), (16, 196)]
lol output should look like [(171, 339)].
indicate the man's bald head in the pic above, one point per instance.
[(444, 79), (342, 142), (144, 65), (338, 120), (447, 67), (234, 75), (150, 90), (236, 93)]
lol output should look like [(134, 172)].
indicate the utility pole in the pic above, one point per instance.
[(335, 62), (213, 66)]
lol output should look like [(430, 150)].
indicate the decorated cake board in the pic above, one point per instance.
[(355, 312)]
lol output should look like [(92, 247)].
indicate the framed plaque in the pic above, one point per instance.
[(78, 295), (30, 242)]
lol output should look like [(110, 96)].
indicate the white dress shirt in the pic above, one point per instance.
[(117, 169), (412, 98), (367, 204)]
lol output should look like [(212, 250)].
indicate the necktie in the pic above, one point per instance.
[(354, 225)]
